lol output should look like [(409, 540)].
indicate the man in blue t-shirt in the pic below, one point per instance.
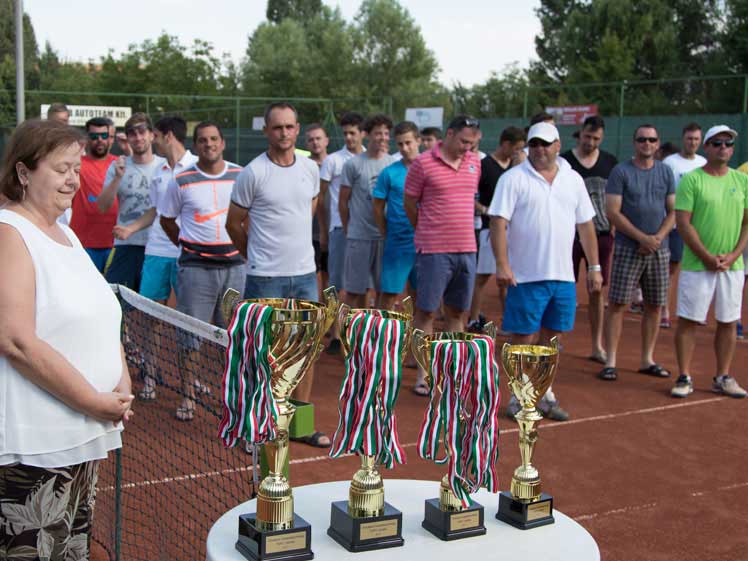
[(399, 256)]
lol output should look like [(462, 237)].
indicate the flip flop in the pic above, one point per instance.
[(312, 439), (608, 374), (421, 389), (655, 370)]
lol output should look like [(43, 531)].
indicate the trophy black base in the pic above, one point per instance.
[(293, 544), (449, 526), (365, 534), (525, 515)]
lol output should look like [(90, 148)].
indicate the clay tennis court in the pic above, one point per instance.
[(650, 477)]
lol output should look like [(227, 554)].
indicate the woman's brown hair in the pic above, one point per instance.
[(32, 141)]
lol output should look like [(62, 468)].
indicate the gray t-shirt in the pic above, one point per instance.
[(644, 194), (360, 174), (133, 195)]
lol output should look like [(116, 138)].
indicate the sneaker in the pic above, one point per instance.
[(728, 386), (513, 408), (683, 386), (552, 410), (482, 320), (334, 347), (637, 308), (474, 326), (665, 323), (740, 331)]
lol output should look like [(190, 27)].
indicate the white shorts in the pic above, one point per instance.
[(697, 289), (486, 260)]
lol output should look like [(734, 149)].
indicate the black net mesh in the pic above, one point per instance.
[(159, 496)]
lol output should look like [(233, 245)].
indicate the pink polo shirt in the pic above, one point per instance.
[(446, 199)]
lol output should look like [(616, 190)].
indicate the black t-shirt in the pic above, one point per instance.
[(595, 179), (490, 171)]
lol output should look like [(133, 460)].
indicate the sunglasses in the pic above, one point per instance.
[(720, 143), (466, 122), (98, 135), (536, 142), (650, 139)]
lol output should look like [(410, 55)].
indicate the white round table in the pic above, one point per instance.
[(565, 540)]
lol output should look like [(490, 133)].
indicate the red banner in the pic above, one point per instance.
[(571, 114)]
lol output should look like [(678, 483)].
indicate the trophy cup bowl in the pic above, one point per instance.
[(530, 370), (446, 517), (366, 522), (297, 330)]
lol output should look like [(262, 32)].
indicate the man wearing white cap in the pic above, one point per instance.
[(544, 203), (710, 207)]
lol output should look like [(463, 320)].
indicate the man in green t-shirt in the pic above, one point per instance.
[(710, 209)]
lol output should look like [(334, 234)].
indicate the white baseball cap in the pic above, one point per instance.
[(543, 131), (718, 129)]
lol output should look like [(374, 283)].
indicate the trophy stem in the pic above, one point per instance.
[(526, 479), (366, 495), (448, 501), (275, 498)]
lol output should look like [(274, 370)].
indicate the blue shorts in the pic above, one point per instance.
[(126, 265), (532, 305), (99, 257), (675, 243), (445, 276), (159, 277), (303, 287), (398, 266)]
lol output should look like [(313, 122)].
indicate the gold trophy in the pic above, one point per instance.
[(366, 522), (275, 531), (530, 370), (447, 517)]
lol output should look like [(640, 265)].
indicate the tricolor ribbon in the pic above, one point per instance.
[(249, 409), (465, 415), (366, 403)]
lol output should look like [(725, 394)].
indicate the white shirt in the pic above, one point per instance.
[(77, 314), (681, 166), (159, 243), (279, 200), (542, 219), (331, 171)]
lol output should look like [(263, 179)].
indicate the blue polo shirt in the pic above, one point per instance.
[(390, 186)]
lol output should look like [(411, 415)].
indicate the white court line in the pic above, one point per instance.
[(647, 506), (230, 471)]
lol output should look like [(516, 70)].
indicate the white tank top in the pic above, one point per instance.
[(78, 315)]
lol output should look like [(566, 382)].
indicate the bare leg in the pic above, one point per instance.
[(597, 320), (613, 327), (649, 329), (387, 301), (455, 318), (355, 300), (674, 268), (684, 344), (724, 347), (425, 322), (475, 305)]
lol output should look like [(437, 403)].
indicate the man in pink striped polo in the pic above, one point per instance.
[(440, 193)]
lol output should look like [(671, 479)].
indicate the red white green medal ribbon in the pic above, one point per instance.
[(468, 376), (366, 405), (249, 409)]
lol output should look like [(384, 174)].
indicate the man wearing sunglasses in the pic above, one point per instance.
[(640, 203), (94, 228), (712, 220), (535, 211)]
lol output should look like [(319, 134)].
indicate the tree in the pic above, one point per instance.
[(8, 61), (299, 10)]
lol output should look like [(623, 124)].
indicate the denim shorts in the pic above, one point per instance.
[(532, 305), (447, 276), (303, 287)]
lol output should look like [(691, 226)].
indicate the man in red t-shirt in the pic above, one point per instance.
[(94, 228)]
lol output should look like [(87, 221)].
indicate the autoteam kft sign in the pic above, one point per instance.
[(79, 114)]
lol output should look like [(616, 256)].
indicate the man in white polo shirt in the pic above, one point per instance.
[(278, 191), (544, 203)]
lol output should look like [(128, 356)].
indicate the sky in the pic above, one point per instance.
[(469, 43)]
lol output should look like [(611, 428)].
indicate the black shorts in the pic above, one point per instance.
[(320, 257)]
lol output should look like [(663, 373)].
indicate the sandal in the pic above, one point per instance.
[(147, 394), (185, 413), (202, 388), (608, 373), (422, 389), (655, 370), (313, 439)]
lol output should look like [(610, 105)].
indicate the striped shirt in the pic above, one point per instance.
[(446, 198), (201, 202)]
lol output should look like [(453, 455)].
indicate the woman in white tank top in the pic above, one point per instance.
[(64, 385)]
